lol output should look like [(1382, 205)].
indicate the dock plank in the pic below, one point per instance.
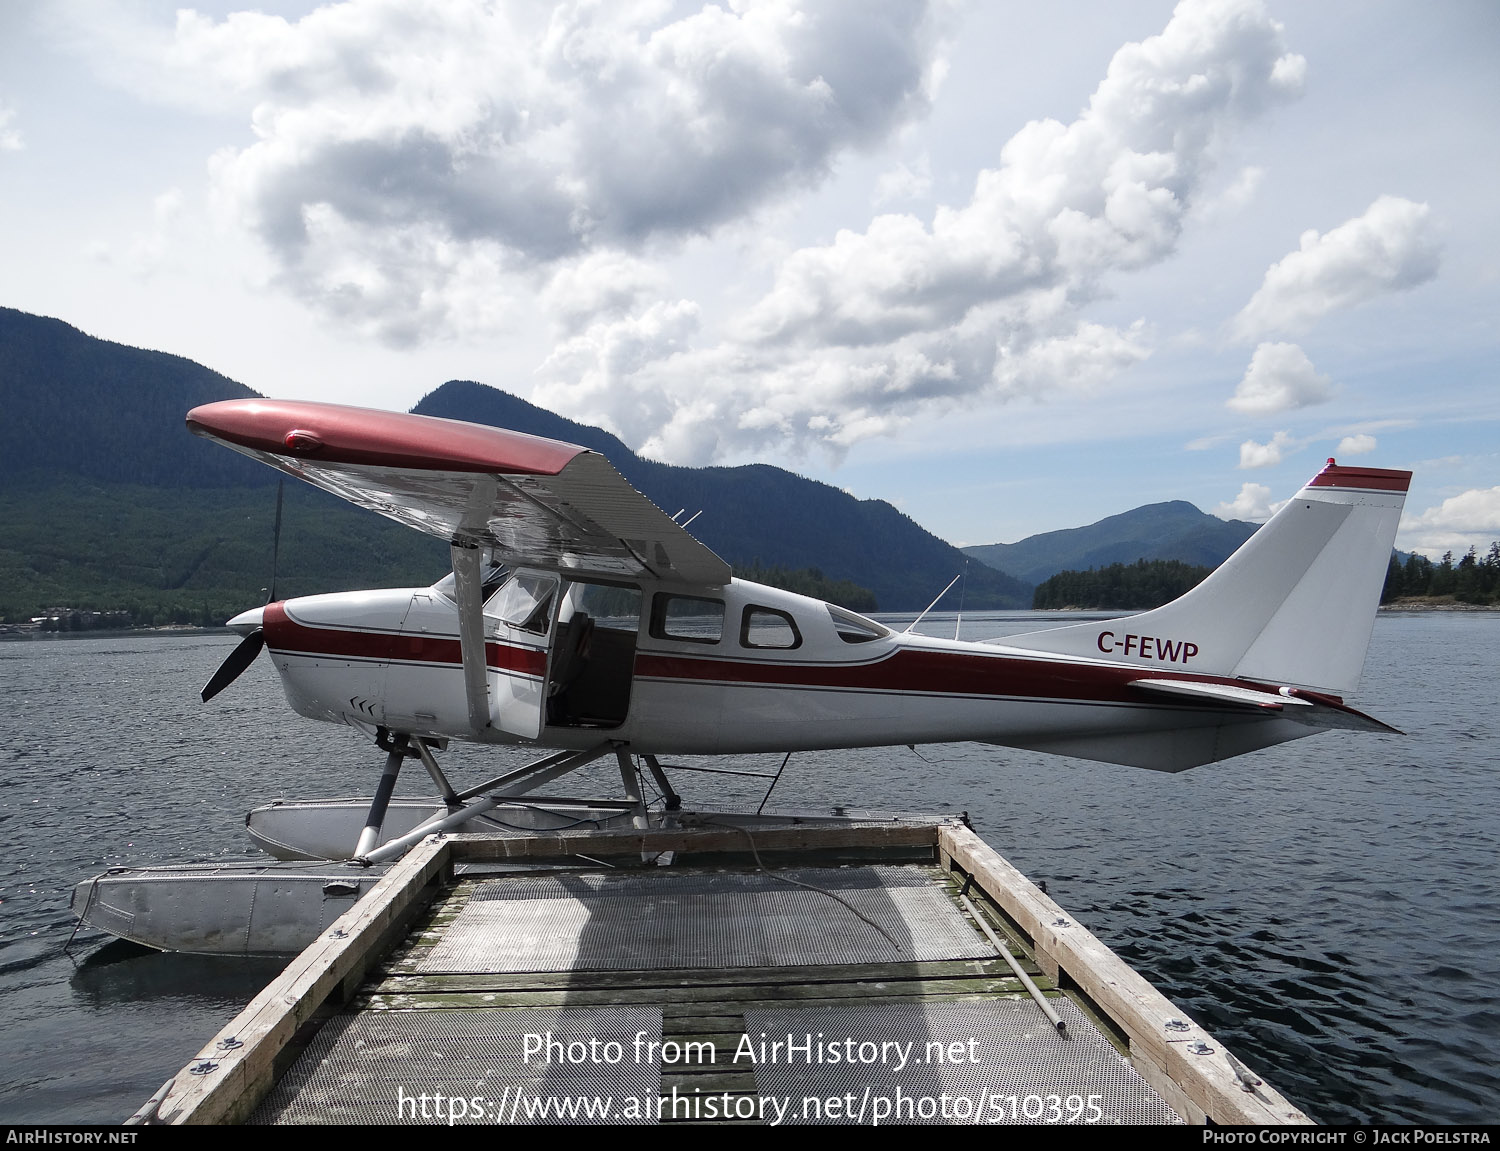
[(362, 967)]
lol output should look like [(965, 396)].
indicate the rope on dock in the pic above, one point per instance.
[(764, 870)]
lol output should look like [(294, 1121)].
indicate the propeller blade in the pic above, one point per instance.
[(239, 659)]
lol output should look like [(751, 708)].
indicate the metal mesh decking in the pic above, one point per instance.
[(659, 921), (954, 1062), (476, 1066)]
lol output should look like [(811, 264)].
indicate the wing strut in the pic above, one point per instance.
[(468, 589)]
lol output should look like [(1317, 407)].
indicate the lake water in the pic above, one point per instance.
[(1329, 908)]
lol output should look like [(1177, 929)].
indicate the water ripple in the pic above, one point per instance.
[(1329, 909)]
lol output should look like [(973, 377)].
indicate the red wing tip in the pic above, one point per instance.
[(336, 433), (1370, 479)]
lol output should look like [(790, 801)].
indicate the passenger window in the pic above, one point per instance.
[(686, 617), (766, 627), (856, 628)]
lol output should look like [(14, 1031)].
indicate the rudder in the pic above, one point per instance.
[(1293, 606)]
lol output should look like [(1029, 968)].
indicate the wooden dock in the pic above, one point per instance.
[(650, 969)]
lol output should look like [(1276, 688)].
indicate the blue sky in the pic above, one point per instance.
[(1012, 267)]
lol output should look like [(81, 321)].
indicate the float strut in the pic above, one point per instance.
[(370, 836), (674, 801), (631, 778), (450, 797)]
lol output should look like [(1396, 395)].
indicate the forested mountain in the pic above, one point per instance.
[(73, 404), (1169, 531), (107, 502)]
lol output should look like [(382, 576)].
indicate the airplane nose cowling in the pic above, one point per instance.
[(246, 621)]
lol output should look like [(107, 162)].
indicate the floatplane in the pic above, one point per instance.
[(581, 620)]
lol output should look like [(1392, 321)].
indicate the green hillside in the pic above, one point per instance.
[(74, 405), (179, 555), (107, 503)]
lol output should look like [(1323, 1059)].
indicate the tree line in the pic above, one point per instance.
[(1145, 584), (1123, 587), (1472, 579)]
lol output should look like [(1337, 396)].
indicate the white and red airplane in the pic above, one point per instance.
[(582, 619)]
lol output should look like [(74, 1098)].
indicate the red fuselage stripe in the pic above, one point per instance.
[(905, 670), (286, 635)]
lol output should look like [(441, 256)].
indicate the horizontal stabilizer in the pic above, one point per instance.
[(1220, 693)]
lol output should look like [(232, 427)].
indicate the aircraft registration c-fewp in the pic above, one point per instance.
[(580, 618)]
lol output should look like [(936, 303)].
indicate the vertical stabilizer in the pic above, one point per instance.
[(1294, 605)]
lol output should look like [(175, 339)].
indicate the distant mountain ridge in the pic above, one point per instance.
[(106, 501), (1175, 530), (757, 512), (108, 412)]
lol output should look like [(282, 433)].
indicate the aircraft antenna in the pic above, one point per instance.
[(934, 603), (962, 592)]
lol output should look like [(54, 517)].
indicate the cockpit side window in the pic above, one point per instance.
[(686, 617), (524, 602), (767, 627), (854, 628)]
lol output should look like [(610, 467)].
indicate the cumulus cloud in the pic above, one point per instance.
[(1234, 198), (607, 284), (1253, 504), (588, 367), (1280, 377), (1356, 445), (1393, 246), (1254, 455), (904, 182), (1470, 519), (983, 300), (148, 250), (10, 136), (404, 148), (1068, 203)]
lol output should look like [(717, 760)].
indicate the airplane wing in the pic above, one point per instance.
[(537, 502)]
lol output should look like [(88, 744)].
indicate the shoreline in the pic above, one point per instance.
[(1411, 606), (1444, 603)]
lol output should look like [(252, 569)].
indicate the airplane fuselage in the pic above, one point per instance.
[(736, 668)]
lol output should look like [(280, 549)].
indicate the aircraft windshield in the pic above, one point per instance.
[(492, 575)]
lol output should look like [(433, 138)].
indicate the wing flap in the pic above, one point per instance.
[(536, 502)]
